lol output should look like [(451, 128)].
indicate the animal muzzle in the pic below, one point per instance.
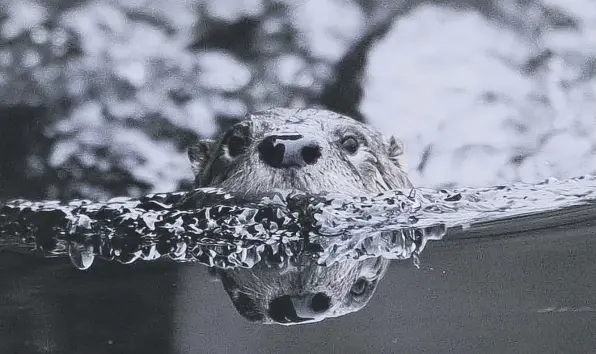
[(289, 150), (291, 309)]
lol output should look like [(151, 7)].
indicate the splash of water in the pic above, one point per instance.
[(215, 228)]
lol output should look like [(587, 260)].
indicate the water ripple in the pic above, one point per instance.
[(213, 227)]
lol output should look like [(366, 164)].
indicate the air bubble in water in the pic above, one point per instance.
[(81, 256)]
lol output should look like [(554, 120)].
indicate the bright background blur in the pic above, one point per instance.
[(102, 98)]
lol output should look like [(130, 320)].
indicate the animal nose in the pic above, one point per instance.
[(289, 150), (299, 308), (319, 302)]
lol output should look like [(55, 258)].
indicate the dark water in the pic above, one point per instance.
[(524, 285)]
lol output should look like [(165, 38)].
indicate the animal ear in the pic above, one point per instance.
[(396, 152), (199, 154)]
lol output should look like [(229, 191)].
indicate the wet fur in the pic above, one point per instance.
[(377, 166), (252, 290)]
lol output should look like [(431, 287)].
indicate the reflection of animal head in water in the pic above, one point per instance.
[(304, 292), (308, 150)]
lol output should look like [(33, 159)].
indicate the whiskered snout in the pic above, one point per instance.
[(289, 150), (299, 308)]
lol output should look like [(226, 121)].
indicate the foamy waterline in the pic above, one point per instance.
[(215, 228)]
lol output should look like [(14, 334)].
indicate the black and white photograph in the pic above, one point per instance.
[(297, 176)]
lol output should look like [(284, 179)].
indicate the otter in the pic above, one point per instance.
[(304, 292), (312, 151), (309, 150)]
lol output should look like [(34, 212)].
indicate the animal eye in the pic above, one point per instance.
[(236, 145), (237, 139), (350, 144), (359, 287)]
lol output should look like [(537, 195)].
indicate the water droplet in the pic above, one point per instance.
[(81, 256), (416, 260)]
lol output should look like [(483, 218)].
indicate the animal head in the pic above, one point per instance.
[(300, 149), (302, 293)]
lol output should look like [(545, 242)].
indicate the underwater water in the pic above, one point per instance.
[(513, 273)]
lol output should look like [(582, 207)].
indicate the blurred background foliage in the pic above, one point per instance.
[(102, 98)]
